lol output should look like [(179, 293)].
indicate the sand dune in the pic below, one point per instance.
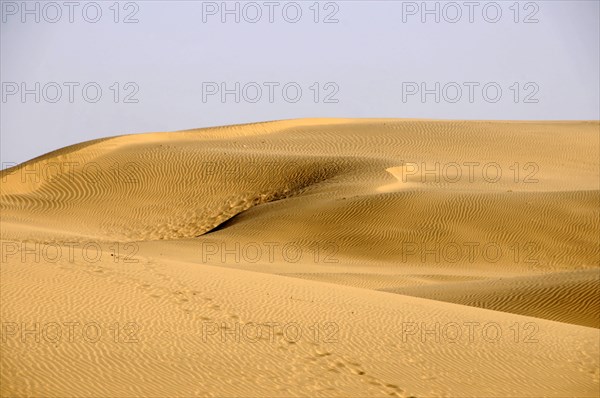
[(572, 297), (416, 257)]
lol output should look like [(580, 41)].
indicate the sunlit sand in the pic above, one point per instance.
[(321, 257)]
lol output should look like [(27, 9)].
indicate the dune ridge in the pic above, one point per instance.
[(368, 228)]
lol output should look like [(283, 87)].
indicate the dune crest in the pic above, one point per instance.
[(362, 233)]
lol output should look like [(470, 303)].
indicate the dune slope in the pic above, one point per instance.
[(378, 257)]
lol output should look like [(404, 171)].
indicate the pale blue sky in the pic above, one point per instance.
[(366, 57)]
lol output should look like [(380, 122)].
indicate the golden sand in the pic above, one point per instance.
[(321, 257)]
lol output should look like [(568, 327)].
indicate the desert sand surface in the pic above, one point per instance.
[(307, 258)]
